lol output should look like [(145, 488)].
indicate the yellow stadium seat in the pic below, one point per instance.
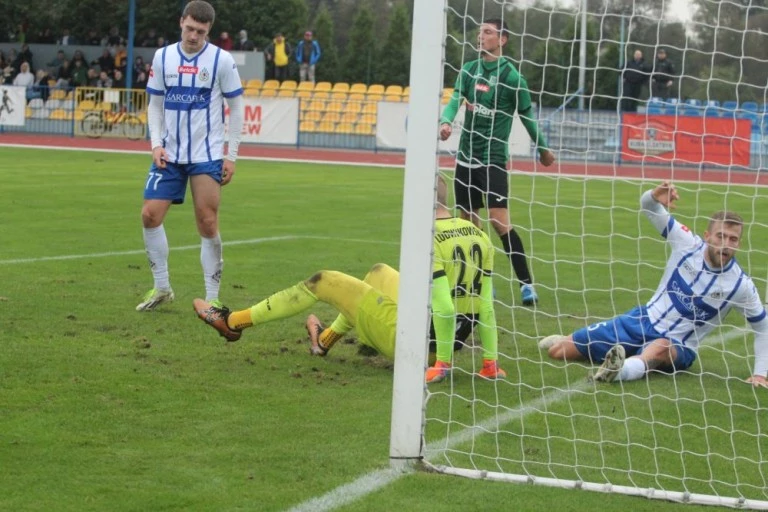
[(345, 128), (304, 94), (269, 93), (286, 93), (392, 97), (312, 115), (322, 95), (316, 105), (364, 129), (331, 117), (406, 98), (339, 96), (367, 119), (271, 84), (253, 83), (375, 97), (307, 126), (340, 87), (358, 89), (288, 85), (407, 91), (370, 108), (306, 86), (323, 87), (376, 89), (325, 127), (58, 94), (106, 106), (86, 105), (251, 92), (27, 112), (447, 91), (353, 107), (60, 114), (394, 90), (349, 117), (334, 106), (70, 96), (79, 115), (356, 96)]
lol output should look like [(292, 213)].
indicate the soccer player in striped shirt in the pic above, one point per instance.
[(702, 282), (462, 301), (187, 86)]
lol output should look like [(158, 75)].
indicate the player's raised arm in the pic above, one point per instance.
[(654, 204)]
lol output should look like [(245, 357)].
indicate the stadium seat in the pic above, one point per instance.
[(322, 95), (356, 96), (52, 104), (313, 115), (370, 108), (655, 109), (331, 117), (323, 87), (367, 119), (395, 90), (41, 113), (288, 85), (79, 115), (693, 102), (406, 98), (340, 87), (395, 98), (712, 111), (271, 84), (307, 126), (353, 107), (712, 103), (749, 106), (253, 83), (268, 93), (286, 93), (349, 117), (345, 128), (304, 94), (251, 92), (375, 97), (36, 103), (407, 91), (339, 96), (28, 112), (325, 127), (363, 129), (334, 106), (376, 89), (690, 111), (358, 88), (730, 105), (58, 94), (316, 105), (60, 114), (306, 86)]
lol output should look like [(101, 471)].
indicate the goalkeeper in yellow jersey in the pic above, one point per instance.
[(462, 300)]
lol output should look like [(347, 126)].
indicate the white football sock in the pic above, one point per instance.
[(213, 264), (156, 245), (633, 369)]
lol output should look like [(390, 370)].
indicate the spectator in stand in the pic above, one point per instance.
[(13, 61), (41, 87), (307, 55), (635, 76), (57, 61), (150, 39), (104, 80), (93, 77), (278, 53), (66, 39), (64, 75), (7, 78), (79, 73), (25, 55), (224, 41), (121, 58), (161, 41), (119, 80), (140, 81), (138, 66), (78, 55), (25, 79), (663, 76), (106, 62), (114, 39), (3, 60), (243, 43), (93, 38)]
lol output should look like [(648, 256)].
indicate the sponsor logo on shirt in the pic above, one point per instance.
[(187, 70), (479, 110), (171, 75), (204, 75), (187, 98), (482, 87)]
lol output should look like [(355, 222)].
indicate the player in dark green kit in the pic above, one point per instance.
[(493, 90)]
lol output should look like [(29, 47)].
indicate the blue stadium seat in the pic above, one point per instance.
[(730, 105), (713, 111), (713, 103), (690, 111), (693, 102), (655, 99), (655, 109), (749, 106)]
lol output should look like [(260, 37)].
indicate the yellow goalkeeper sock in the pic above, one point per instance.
[(240, 319), (328, 338)]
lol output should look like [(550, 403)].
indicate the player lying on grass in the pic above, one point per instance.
[(461, 286), (701, 284)]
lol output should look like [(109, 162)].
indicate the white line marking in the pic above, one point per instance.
[(192, 247), (375, 480)]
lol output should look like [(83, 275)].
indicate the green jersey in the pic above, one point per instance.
[(493, 91), (461, 284)]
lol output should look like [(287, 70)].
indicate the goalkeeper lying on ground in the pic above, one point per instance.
[(461, 287)]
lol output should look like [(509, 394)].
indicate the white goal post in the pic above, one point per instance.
[(697, 436)]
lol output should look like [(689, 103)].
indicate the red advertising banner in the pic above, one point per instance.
[(685, 139)]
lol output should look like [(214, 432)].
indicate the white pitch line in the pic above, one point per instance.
[(192, 247), (375, 480)]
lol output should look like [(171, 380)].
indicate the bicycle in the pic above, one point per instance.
[(99, 122)]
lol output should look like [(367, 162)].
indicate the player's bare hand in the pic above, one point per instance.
[(227, 172), (159, 157), (758, 381), (546, 158), (666, 194), (445, 131)]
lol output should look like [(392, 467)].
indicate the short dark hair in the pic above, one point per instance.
[(731, 218), (200, 11), (500, 25)]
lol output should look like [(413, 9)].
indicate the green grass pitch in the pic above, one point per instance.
[(104, 408)]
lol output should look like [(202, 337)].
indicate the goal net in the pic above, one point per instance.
[(700, 435)]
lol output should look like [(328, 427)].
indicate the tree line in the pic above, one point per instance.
[(721, 54)]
